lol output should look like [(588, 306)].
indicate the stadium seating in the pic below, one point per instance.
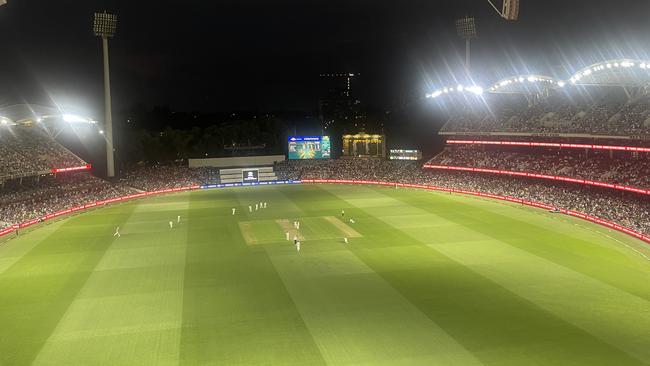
[(598, 113), (625, 169), (28, 151)]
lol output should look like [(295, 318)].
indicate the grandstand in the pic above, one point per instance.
[(607, 100), (28, 145), (583, 141)]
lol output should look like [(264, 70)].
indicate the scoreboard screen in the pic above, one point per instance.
[(309, 147)]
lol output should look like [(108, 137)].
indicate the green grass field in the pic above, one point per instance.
[(427, 279)]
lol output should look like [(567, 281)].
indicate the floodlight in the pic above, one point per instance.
[(466, 28), (561, 84), (105, 26)]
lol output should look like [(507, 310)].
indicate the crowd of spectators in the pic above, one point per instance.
[(30, 151), (622, 168), (629, 209), (156, 177), (607, 115), (35, 198)]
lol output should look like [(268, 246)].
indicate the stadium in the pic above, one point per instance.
[(524, 240)]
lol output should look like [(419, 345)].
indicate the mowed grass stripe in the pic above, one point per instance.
[(494, 322), (355, 317), (236, 310), (584, 300), (130, 309), (36, 291), (582, 251)]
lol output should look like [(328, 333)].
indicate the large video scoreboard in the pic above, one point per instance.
[(309, 147)]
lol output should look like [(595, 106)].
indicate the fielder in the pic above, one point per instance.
[(233, 211), (256, 207), (178, 219), (250, 208), (287, 236), (342, 213), (264, 204), (298, 225), (298, 245), (352, 221), (345, 240), (171, 224), (117, 232)]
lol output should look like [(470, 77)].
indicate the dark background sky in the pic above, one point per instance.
[(225, 55)]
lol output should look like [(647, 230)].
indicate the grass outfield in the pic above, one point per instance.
[(427, 279)]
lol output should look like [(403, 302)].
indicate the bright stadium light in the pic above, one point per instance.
[(72, 118), (105, 26)]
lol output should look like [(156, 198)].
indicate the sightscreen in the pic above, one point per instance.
[(309, 147)]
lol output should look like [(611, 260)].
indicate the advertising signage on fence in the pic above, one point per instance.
[(309, 147)]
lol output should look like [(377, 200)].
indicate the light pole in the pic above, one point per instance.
[(466, 29), (104, 26)]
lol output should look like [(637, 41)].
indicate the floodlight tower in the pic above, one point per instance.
[(466, 29), (105, 25)]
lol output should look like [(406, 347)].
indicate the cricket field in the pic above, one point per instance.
[(427, 278)]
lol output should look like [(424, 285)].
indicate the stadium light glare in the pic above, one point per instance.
[(561, 84), (72, 118), (101, 132)]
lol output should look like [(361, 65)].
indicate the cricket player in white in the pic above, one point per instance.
[(250, 208), (345, 240), (298, 245), (342, 213), (352, 221), (117, 232), (171, 224), (264, 204), (233, 211), (287, 235), (178, 219), (298, 225), (256, 207)]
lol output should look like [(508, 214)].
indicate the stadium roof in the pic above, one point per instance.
[(619, 72), (27, 114), (525, 84)]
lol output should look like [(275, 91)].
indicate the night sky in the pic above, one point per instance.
[(263, 55)]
